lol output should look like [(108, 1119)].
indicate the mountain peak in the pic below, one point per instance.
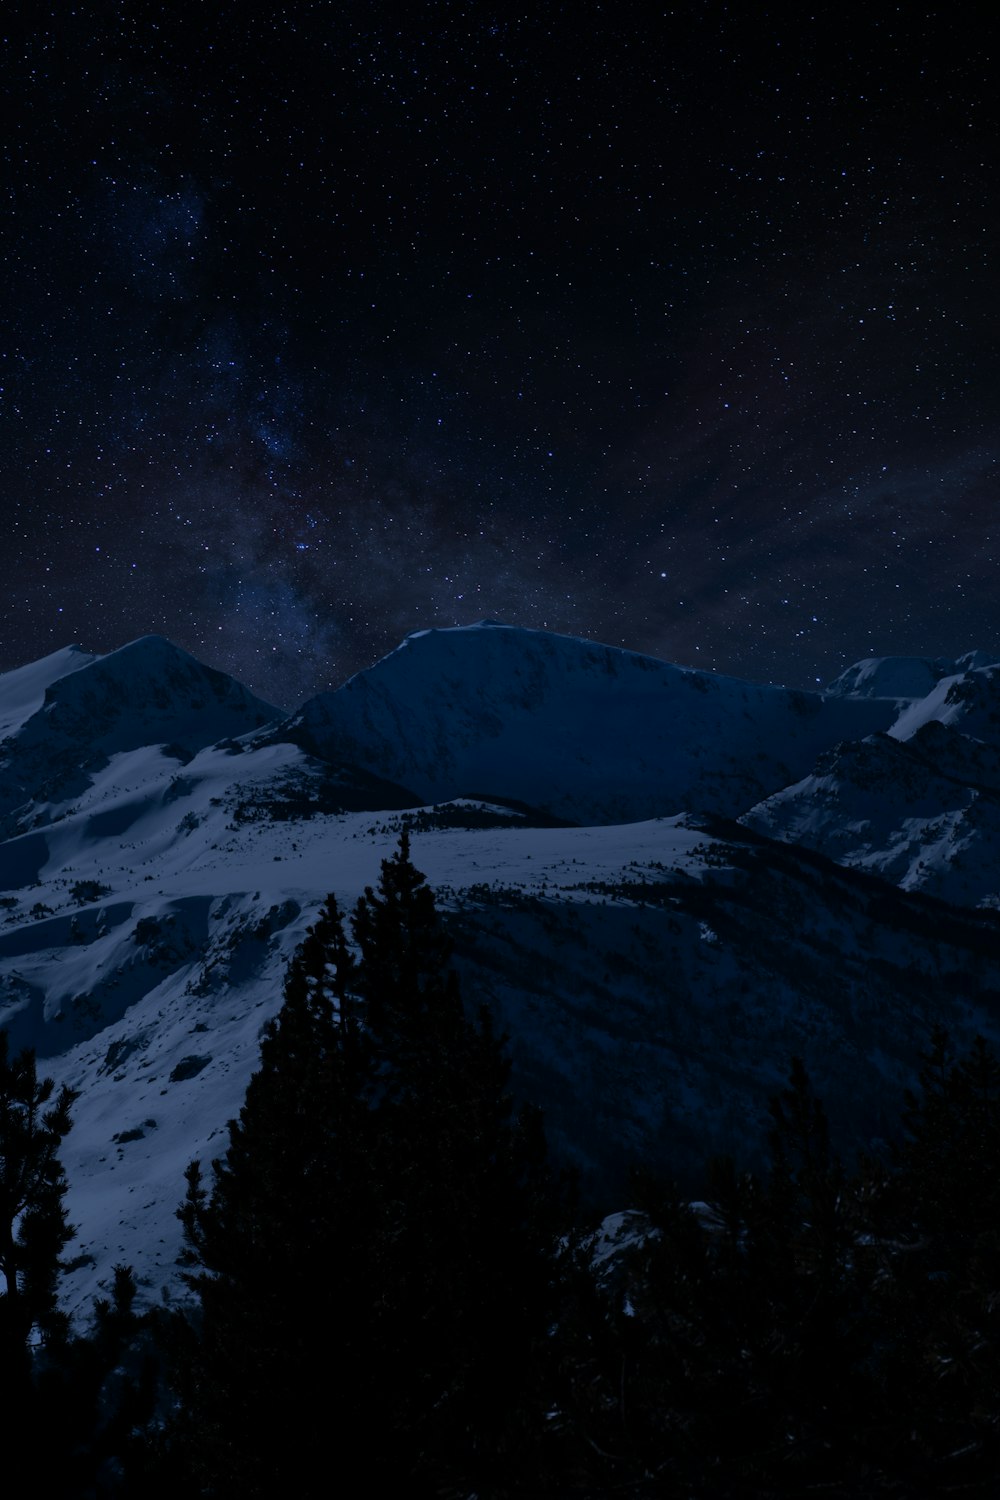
[(150, 645), (71, 710), (22, 691), (587, 732), (902, 677)]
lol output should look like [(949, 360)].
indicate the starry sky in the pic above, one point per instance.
[(673, 327)]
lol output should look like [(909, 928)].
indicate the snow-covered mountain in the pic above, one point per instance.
[(22, 692), (902, 676), (168, 839), (920, 804), (590, 733), (969, 701), (65, 716)]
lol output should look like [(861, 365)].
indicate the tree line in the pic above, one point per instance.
[(389, 1288)]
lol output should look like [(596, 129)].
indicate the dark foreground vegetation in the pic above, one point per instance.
[(389, 1293)]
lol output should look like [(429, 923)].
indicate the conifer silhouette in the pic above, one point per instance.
[(34, 1229), (375, 1251)]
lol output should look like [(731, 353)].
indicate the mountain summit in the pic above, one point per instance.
[(918, 805), (69, 714), (590, 733)]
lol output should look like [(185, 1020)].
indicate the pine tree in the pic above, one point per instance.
[(939, 1288), (733, 1359), (470, 1215), (277, 1246), (34, 1229), (950, 1158), (93, 1392), (379, 1217), (33, 1226)]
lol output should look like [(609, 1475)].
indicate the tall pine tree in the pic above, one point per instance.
[(374, 1252), (34, 1229), (276, 1245), (469, 1216)]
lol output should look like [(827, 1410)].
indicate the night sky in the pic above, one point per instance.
[(676, 328)]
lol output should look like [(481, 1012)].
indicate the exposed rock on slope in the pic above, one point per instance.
[(919, 805)]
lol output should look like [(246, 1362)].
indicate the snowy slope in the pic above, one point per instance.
[(22, 692), (969, 701), (923, 812), (142, 821), (919, 805), (588, 732), (903, 677), (147, 693), (655, 977)]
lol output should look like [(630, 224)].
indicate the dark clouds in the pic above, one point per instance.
[(349, 320)]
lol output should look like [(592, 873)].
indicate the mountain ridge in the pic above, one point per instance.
[(558, 722)]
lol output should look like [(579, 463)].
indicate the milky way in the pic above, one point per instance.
[(352, 320)]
